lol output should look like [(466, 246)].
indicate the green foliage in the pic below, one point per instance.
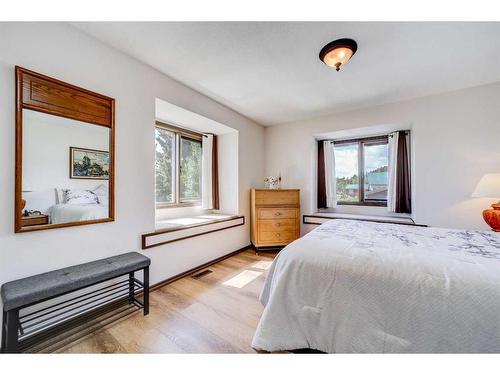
[(345, 183), (190, 169), (342, 183), (163, 165), (88, 168), (384, 168)]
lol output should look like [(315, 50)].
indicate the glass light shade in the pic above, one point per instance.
[(488, 186), (338, 57)]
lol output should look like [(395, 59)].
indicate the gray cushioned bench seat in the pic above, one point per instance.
[(36, 288)]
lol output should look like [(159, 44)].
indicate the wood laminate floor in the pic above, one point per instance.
[(217, 313)]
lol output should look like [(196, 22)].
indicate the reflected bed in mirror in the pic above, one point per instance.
[(64, 156), (65, 169)]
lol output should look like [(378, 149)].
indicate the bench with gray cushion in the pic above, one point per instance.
[(23, 293)]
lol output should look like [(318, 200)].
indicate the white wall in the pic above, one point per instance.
[(46, 143), (227, 147), (61, 51), (455, 140)]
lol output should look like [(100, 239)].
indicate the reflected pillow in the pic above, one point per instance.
[(59, 196), (103, 200), (79, 197), (100, 190), (102, 194)]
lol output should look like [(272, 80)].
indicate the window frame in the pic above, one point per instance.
[(361, 142), (192, 139), (179, 133)]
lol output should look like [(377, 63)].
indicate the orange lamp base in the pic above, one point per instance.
[(492, 217), (23, 204)]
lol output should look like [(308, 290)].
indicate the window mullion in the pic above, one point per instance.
[(361, 168), (177, 169)]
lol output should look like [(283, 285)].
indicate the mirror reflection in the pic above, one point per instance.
[(65, 170)]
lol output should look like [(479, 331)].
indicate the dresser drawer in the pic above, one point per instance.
[(277, 236), (277, 213), (277, 225), (277, 197), (34, 220)]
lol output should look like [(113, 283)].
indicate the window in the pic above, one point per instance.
[(177, 167), (190, 170), (361, 170), (165, 165)]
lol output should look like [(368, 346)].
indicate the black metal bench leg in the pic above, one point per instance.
[(131, 287), (4, 327), (11, 334), (146, 290)]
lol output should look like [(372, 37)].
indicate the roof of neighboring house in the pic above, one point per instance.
[(377, 178), (373, 179), (354, 186)]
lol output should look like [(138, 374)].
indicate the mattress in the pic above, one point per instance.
[(66, 213), (363, 287)]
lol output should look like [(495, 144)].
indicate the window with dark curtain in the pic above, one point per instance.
[(403, 185), (215, 174), (321, 176)]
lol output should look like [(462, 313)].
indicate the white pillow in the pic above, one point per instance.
[(79, 197), (100, 190), (103, 200), (102, 193), (59, 196)]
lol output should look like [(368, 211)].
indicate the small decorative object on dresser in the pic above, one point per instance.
[(273, 182), (489, 187), (275, 217)]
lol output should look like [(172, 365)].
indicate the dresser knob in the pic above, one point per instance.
[(277, 213), (277, 234)]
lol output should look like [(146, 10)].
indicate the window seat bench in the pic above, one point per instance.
[(319, 218), (172, 230)]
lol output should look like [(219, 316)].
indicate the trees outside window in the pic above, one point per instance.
[(190, 170), (164, 165), (177, 167)]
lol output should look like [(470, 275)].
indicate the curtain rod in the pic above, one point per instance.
[(374, 138)]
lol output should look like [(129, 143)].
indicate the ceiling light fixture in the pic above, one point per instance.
[(337, 53)]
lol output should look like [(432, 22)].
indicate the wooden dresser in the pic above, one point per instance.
[(275, 217), (28, 221)]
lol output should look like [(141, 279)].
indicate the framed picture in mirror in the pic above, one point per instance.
[(53, 117), (88, 164)]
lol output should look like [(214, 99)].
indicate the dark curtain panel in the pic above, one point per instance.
[(215, 175), (403, 187), (321, 176)]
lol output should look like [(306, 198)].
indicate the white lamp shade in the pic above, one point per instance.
[(338, 55), (488, 186)]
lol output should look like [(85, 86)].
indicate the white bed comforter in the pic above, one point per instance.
[(66, 213), (361, 287)]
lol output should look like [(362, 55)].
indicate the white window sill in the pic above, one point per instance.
[(189, 221), (167, 216), (321, 217), (171, 230)]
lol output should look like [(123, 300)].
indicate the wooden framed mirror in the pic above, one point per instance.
[(64, 154)]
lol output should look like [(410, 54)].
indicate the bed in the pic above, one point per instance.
[(65, 213), (362, 287)]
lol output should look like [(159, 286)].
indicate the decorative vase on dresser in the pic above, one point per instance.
[(275, 217)]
